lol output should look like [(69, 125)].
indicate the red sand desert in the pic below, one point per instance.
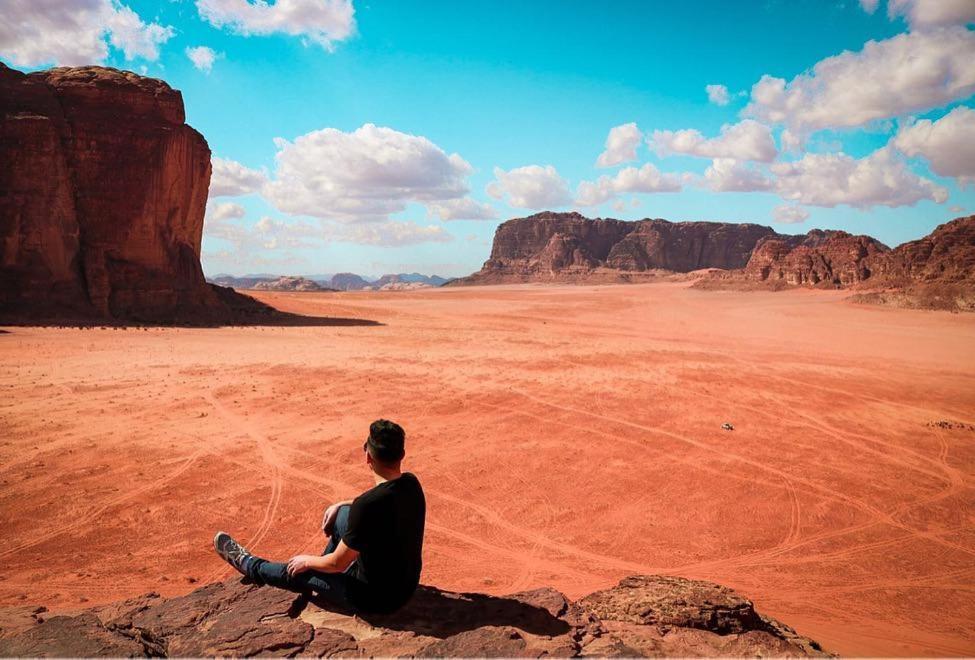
[(566, 436)]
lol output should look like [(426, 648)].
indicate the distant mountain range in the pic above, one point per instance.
[(328, 281)]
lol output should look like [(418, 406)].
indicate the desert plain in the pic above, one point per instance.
[(565, 436)]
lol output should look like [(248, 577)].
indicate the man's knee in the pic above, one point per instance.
[(341, 521)]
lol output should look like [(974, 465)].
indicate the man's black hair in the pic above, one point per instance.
[(386, 441)]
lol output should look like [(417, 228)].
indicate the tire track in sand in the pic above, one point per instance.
[(270, 458), (96, 512), (877, 514)]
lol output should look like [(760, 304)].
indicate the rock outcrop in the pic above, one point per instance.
[(289, 283), (934, 272), (937, 271), (348, 282), (642, 616), (102, 195), (945, 256), (570, 247), (832, 258)]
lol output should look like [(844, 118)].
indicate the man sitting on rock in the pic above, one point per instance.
[(372, 561)]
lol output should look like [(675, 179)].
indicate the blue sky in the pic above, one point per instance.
[(515, 85)]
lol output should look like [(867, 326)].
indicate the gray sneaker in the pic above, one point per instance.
[(232, 552)]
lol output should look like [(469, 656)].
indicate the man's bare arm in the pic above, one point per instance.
[(334, 562)]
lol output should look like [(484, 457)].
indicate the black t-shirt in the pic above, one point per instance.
[(386, 528)]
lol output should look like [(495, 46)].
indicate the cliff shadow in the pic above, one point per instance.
[(442, 614), (216, 307), (243, 310), (274, 319)]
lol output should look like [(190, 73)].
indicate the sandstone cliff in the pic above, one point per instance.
[(641, 616), (570, 247), (832, 258), (102, 195), (935, 272)]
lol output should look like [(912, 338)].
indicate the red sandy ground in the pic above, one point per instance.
[(566, 436)]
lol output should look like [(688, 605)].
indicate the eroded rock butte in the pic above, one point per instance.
[(102, 195)]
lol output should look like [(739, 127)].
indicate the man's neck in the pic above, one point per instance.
[(387, 475)]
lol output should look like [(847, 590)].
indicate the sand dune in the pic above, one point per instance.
[(566, 436)]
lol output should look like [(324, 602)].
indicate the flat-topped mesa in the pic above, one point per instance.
[(568, 247), (104, 189)]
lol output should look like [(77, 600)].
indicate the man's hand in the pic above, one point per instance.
[(300, 564), (328, 520)]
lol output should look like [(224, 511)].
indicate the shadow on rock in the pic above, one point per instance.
[(437, 613)]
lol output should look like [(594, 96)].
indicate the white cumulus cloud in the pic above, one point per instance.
[(906, 73), (621, 144), (646, 179), (530, 187), (363, 175), (75, 32), (202, 57), (322, 22), (269, 234), (746, 140), (880, 179), (922, 14), (392, 233), (718, 94), (730, 175), (462, 209), (231, 179), (220, 211), (789, 214), (948, 144)]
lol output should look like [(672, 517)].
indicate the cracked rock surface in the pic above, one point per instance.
[(647, 615)]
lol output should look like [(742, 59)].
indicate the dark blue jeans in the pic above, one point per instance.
[(329, 586)]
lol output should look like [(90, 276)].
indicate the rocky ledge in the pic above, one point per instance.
[(647, 615)]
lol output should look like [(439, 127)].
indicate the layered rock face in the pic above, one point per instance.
[(641, 616), (833, 258), (102, 194), (935, 272), (569, 246), (946, 256)]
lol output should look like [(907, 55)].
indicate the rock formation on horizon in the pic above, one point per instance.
[(640, 616), (936, 271), (348, 282), (289, 283), (832, 258), (565, 247), (102, 193)]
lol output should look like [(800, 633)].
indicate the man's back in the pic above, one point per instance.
[(386, 528)]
